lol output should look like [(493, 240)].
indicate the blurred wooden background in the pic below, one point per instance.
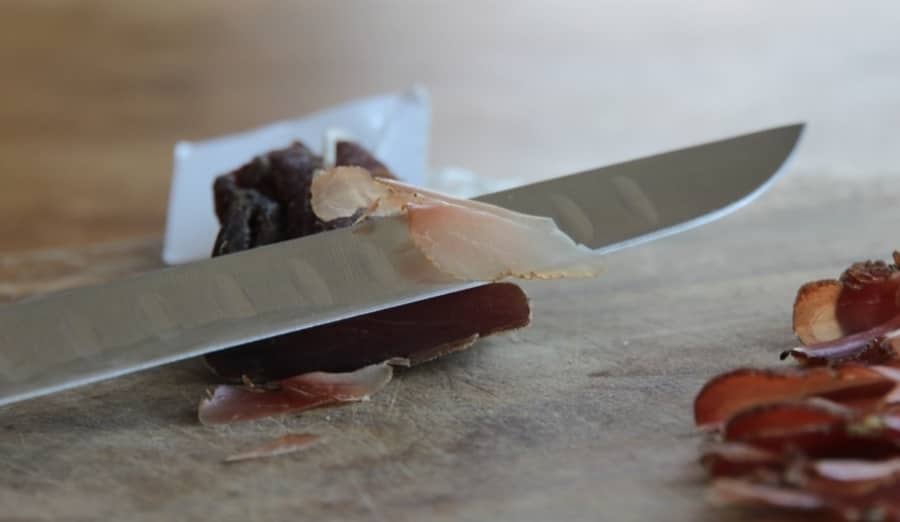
[(94, 94)]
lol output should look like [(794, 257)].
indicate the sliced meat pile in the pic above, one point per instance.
[(824, 436), (290, 193)]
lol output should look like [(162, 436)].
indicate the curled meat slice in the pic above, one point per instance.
[(816, 428), (466, 239), (731, 392), (815, 312), (865, 296), (881, 502), (304, 392), (850, 318), (875, 346)]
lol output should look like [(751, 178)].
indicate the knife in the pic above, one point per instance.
[(78, 336)]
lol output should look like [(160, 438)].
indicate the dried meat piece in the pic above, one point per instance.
[(304, 392), (266, 200), (727, 394), (349, 154), (866, 295), (290, 443), (873, 346), (417, 331), (815, 428), (869, 295), (466, 239)]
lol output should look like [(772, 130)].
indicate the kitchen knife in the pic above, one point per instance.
[(74, 337)]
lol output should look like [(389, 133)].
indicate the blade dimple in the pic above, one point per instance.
[(636, 200)]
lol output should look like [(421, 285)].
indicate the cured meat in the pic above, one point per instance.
[(290, 443), (875, 345), (731, 392), (826, 436), (854, 317), (230, 403), (465, 239)]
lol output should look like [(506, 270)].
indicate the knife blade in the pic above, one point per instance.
[(78, 336)]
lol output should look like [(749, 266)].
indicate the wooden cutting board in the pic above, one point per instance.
[(585, 415)]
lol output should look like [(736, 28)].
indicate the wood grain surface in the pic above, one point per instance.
[(585, 415)]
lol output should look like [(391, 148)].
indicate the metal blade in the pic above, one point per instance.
[(75, 337), (642, 200)]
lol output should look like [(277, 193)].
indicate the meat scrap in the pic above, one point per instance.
[(825, 436), (290, 443), (233, 403)]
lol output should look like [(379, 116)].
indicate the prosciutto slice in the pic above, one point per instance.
[(466, 239)]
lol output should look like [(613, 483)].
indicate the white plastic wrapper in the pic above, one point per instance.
[(394, 127)]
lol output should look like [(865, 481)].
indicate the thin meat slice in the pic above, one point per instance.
[(874, 346), (474, 245), (731, 491), (734, 458), (816, 428), (304, 392), (466, 239), (290, 443), (727, 394)]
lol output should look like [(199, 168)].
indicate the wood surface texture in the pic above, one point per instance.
[(585, 415)]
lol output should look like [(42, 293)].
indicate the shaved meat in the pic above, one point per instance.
[(465, 239), (825, 436), (729, 393), (850, 318), (303, 392), (290, 443)]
